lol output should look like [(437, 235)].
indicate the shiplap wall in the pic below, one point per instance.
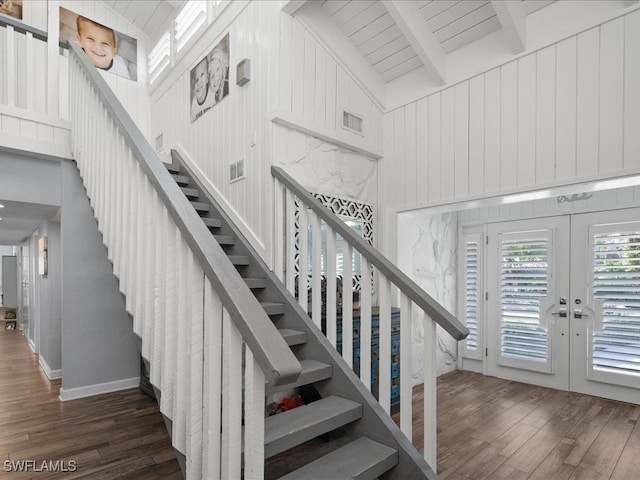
[(295, 80), (42, 73), (567, 112)]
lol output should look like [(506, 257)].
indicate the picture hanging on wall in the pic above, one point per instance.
[(13, 8), (210, 79), (106, 48)]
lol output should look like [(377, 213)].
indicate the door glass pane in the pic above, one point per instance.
[(616, 284), (524, 283)]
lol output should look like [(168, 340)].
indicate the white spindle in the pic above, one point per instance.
[(156, 362), (231, 399), (30, 67), (384, 344), (279, 228), (11, 66), (316, 270), (303, 259), (171, 314), (253, 419), (290, 220), (182, 360), (429, 371), (347, 303), (406, 408), (365, 324), (212, 393), (331, 307)]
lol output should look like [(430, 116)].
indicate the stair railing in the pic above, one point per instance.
[(299, 265), (189, 304)]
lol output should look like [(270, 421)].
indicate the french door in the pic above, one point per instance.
[(563, 302)]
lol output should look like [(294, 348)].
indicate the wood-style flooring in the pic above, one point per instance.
[(119, 435), (493, 429)]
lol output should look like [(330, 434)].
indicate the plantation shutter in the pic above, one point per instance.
[(616, 288), (524, 285), (472, 292)]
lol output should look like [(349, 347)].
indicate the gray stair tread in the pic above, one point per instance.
[(312, 371), (294, 427), (293, 337), (190, 192), (239, 259), (201, 206), (255, 282), (225, 239), (212, 222), (362, 459), (171, 167), (273, 308), (180, 179)]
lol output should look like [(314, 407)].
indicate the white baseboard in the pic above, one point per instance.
[(52, 374), (98, 389), (32, 345)]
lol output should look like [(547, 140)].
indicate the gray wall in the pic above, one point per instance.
[(29, 179), (98, 343)]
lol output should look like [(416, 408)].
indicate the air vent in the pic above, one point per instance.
[(351, 122)]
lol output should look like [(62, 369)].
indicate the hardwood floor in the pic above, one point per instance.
[(119, 435), (493, 429)]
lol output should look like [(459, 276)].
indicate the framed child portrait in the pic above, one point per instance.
[(209, 79), (106, 48)]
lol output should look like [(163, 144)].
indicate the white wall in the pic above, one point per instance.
[(295, 81), (565, 113)]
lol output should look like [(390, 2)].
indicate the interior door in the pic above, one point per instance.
[(527, 301), (605, 304)]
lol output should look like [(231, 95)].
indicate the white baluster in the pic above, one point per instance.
[(365, 324), (430, 388), (290, 212), (231, 399), (347, 303), (316, 270), (182, 360), (279, 226), (253, 419), (303, 258), (384, 344), (332, 285), (406, 367), (212, 393), (10, 52)]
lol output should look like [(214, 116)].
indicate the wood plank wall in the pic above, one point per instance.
[(293, 76), (567, 112)]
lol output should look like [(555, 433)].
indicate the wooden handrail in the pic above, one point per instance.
[(422, 299), (18, 26), (279, 364)]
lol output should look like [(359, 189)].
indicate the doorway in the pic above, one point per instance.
[(563, 302)]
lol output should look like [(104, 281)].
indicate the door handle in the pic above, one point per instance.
[(562, 312), (577, 313)]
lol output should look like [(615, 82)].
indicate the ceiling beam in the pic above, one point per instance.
[(291, 6), (514, 23), (417, 31)]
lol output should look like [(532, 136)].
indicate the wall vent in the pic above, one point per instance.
[(351, 122)]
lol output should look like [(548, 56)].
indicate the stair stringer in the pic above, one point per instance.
[(375, 423)]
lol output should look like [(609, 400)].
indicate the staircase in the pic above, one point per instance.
[(372, 446)]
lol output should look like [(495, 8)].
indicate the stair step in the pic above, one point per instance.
[(190, 192), (294, 427), (255, 283), (293, 337), (273, 308), (181, 180), (225, 239), (171, 167), (239, 260), (201, 206), (362, 459), (312, 371), (212, 222)]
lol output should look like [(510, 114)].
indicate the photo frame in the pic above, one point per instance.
[(209, 79), (106, 48)]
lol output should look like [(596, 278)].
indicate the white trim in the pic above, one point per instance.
[(224, 203), (513, 19), (51, 374), (98, 389), (343, 139), (34, 146), (32, 345), (34, 116)]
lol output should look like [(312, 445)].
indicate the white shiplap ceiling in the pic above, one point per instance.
[(152, 17), (387, 46)]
